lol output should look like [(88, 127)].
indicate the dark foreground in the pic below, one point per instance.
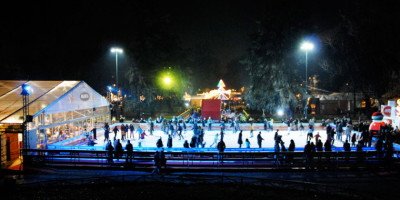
[(110, 184)]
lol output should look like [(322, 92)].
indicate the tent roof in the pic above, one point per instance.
[(44, 96)]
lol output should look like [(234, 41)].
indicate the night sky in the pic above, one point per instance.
[(71, 40)]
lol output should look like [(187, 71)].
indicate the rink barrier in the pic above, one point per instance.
[(209, 160)]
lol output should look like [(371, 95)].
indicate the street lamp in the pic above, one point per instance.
[(306, 46), (117, 51)]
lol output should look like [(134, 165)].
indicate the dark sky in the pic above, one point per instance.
[(71, 39), (50, 40)]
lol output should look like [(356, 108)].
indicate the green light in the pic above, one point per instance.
[(167, 80)]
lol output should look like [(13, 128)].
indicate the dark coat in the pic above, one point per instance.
[(240, 140), (221, 146), (159, 143), (169, 143)]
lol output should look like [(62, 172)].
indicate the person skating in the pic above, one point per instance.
[(216, 137), (259, 139), (240, 140)]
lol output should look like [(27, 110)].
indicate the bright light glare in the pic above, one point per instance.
[(307, 46), (116, 50), (167, 80), (109, 88), (26, 89), (186, 104), (280, 112)]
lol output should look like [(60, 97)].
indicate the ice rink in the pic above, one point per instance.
[(230, 139)]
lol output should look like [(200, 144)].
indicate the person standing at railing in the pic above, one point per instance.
[(94, 131), (221, 148), (159, 143), (360, 154), (129, 152), (186, 144), (379, 147), (163, 159), (308, 155), (157, 163), (292, 147), (110, 151), (118, 150), (347, 149), (169, 142), (328, 148)]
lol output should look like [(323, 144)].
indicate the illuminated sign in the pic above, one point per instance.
[(387, 110), (84, 96)]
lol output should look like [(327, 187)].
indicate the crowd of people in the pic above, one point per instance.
[(340, 129)]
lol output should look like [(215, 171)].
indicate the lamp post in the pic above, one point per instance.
[(306, 47), (117, 51), (25, 92)]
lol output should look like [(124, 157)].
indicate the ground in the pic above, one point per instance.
[(110, 184)]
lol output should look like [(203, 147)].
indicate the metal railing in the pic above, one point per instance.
[(212, 160)]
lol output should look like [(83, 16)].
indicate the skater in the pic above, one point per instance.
[(94, 131), (106, 133), (251, 129), (151, 127), (240, 141), (131, 129), (115, 130), (180, 132), (259, 139), (353, 140), (215, 140)]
